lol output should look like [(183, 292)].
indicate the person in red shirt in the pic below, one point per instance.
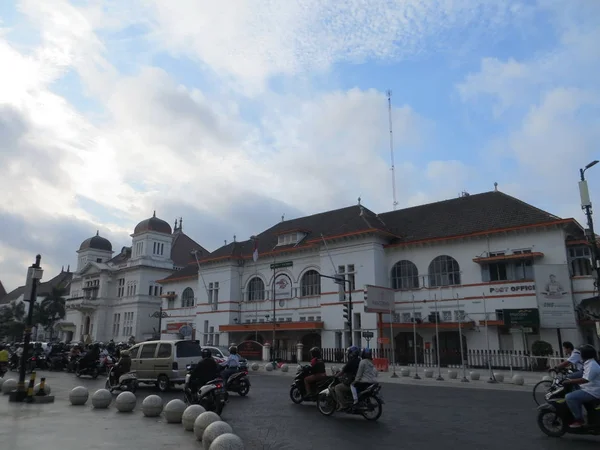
[(317, 370)]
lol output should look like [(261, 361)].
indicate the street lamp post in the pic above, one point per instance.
[(586, 205), (34, 274), (160, 315)]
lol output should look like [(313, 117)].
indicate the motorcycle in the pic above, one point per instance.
[(554, 416), (298, 390), (212, 396), (370, 403), (238, 383), (91, 370), (58, 362), (126, 382)]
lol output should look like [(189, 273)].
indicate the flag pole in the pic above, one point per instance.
[(416, 377), (437, 337), (487, 339), (462, 353)]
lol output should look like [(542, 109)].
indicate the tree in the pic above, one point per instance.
[(12, 322), (50, 310)]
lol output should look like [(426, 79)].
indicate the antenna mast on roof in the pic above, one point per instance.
[(389, 97)]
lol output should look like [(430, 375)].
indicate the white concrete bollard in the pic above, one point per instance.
[(152, 406), (428, 373), (269, 367), (79, 396), (174, 411), (9, 385), (203, 421), (190, 415), (499, 377), (126, 401), (285, 368), (213, 431), (475, 376), (255, 366), (518, 379), (405, 372), (452, 374), (227, 441), (47, 389), (546, 378), (101, 399)]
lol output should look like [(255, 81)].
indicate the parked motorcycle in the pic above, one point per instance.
[(126, 382), (298, 391), (554, 416), (370, 403), (238, 383), (212, 396)]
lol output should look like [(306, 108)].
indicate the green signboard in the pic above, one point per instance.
[(521, 317), (281, 265)]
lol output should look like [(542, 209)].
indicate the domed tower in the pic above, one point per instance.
[(152, 238), (94, 249)]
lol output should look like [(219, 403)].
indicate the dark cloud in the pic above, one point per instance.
[(56, 240)]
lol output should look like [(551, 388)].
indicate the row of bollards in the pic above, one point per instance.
[(207, 426), (36, 393)]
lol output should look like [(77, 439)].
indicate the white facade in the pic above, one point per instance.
[(118, 297), (224, 313)]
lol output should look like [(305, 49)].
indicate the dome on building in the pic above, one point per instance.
[(97, 243), (153, 224)]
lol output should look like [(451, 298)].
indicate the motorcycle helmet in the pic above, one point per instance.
[(366, 354), (588, 352), (353, 352), (315, 352), (206, 353), (233, 350)]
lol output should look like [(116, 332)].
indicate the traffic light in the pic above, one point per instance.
[(347, 314)]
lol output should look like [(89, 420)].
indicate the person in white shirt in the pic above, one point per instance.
[(231, 364), (589, 384), (573, 359)]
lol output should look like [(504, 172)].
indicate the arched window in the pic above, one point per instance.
[(581, 267), (310, 284), (405, 275), (256, 289), (187, 298), (444, 271)]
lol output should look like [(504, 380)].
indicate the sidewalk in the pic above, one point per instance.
[(386, 377)]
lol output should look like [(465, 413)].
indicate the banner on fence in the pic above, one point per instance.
[(379, 299), (554, 296)]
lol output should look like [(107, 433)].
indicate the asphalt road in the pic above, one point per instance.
[(423, 418)]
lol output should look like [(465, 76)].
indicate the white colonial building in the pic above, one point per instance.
[(485, 259), (117, 297)]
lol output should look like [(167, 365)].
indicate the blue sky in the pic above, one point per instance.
[(232, 116)]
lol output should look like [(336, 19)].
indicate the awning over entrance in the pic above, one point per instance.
[(66, 326), (268, 326), (513, 257)]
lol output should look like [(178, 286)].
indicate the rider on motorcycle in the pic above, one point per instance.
[(206, 370), (573, 359), (317, 371), (347, 375), (589, 383), (231, 364), (122, 367), (90, 358), (366, 375)]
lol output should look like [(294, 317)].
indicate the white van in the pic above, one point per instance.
[(163, 363)]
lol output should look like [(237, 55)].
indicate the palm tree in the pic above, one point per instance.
[(52, 309), (12, 320)]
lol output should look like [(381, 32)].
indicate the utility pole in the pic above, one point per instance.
[(34, 274), (389, 97), (586, 205)]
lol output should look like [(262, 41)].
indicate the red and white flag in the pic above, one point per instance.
[(255, 252)]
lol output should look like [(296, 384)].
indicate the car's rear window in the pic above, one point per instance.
[(188, 349)]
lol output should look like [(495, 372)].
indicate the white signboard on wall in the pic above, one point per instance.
[(554, 296), (283, 287)]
